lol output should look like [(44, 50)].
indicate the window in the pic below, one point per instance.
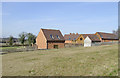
[(51, 36), (58, 37), (80, 38), (56, 46)]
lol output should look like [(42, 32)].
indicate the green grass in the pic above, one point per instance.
[(9, 47), (77, 61)]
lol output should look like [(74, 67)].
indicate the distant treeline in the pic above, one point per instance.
[(24, 39)]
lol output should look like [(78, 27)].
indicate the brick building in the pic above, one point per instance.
[(49, 39)]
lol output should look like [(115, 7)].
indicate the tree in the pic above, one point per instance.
[(31, 38), (22, 38), (11, 40), (34, 39)]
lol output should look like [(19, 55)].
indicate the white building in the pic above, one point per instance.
[(89, 40)]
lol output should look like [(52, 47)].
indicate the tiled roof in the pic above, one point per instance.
[(53, 35), (93, 37), (71, 36), (107, 35)]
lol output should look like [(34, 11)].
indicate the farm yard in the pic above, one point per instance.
[(74, 61)]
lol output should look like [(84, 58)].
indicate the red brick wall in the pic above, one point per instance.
[(51, 45), (68, 41), (41, 41)]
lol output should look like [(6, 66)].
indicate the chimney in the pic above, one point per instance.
[(70, 33), (73, 33), (76, 33)]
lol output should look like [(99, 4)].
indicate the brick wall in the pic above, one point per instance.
[(41, 41), (51, 45), (68, 41)]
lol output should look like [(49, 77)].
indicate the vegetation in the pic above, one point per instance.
[(31, 39), (11, 41), (75, 61), (15, 47), (22, 38)]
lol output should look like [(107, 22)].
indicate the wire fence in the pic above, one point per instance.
[(72, 45), (104, 43), (19, 49), (92, 44)]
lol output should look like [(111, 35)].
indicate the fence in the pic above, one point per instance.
[(93, 44), (21, 49), (72, 45), (104, 43)]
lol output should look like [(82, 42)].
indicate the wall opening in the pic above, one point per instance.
[(56, 46)]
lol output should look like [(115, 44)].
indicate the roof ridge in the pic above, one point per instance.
[(49, 29), (105, 32), (87, 34)]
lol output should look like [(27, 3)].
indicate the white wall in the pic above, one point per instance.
[(87, 42)]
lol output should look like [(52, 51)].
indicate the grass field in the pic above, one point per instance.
[(9, 47), (77, 61)]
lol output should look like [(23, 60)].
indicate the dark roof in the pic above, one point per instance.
[(71, 36), (56, 34), (93, 37), (107, 35), (85, 35)]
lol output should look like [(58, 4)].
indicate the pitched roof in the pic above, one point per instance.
[(71, 36), (107, 35), (56, 34), (93, 37), (85, 35)]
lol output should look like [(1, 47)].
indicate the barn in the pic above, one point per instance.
[(50, 39)]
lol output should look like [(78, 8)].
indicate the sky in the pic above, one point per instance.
[(68, 17)]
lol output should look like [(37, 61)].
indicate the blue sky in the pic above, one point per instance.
[(69, 17)]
